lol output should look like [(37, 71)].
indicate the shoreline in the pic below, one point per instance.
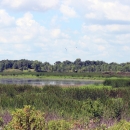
[(55, 78), (63, 82)]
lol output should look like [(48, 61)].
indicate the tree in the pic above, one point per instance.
[(15, 66), (1, 66), (37, 65)]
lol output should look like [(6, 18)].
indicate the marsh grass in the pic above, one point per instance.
[(120, 82), (77, 103)]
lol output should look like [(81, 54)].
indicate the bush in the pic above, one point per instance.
[(1, 122), (26, 119), (117, 82), (59, 125), (122, 125), (30, 119)]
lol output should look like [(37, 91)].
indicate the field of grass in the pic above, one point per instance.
[(58, 76), (17, 70), (92, 106), (12, 70)]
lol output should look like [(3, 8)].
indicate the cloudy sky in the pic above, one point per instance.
[(58, 30)]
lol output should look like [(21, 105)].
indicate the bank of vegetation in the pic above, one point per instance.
[(64, 66), (85, 107), (63, 75)]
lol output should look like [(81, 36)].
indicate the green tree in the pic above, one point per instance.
[(37, 65)]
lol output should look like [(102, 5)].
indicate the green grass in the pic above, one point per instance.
[(49, 77), (57, 76), (118, 82), (12, 70)]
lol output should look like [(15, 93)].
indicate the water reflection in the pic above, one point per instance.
[(46, 82)]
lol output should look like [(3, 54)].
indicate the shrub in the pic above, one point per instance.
[(122, 125), (114, 108), (1, 122), (59, 125), (117, 82), (26, 119)]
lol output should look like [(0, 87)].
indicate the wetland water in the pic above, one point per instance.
[(48, 82)]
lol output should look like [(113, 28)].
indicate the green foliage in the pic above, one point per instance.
[(59, 125), (1, 122), (26, 119), (30, 119), (114, 108), (122, 125), (78, 103), (68, 67), (117, 82)]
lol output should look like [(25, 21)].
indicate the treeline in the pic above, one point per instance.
[(65, 66)]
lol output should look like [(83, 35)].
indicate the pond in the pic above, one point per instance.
[(48, 82)]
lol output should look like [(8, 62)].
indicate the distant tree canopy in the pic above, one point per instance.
[(65, 66)]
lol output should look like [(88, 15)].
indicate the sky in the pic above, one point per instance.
[(59, 30)]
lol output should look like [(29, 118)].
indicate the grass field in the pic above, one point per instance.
[(58, 76)]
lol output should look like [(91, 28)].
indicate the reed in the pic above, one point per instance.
[(81, 103), (123, 82)]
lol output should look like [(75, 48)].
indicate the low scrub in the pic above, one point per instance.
[(77, 103), (30, 119), (117, 82), (122, 125)]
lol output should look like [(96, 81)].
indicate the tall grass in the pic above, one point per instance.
[(73, 102), (117, 82)]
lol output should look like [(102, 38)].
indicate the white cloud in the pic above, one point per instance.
[(58, 34), (28, 5), (26, 28), (126, 48), (92, 28), (101, 48), (54, 20), (90, 15), (68, 11), (106, 28), (55, 33), (112, 10), (3, 51), (122, 39), (5, 19), (99, 40), (13, 4), (92, 9), (26, 21), (20, 47), (3, 40)]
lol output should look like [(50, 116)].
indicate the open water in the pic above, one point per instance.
[(47, 82)]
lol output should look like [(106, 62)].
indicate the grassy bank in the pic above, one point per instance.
[(58, 76), (50, 77)]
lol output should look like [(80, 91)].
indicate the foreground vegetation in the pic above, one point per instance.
[(86, 107), (30, 119)]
